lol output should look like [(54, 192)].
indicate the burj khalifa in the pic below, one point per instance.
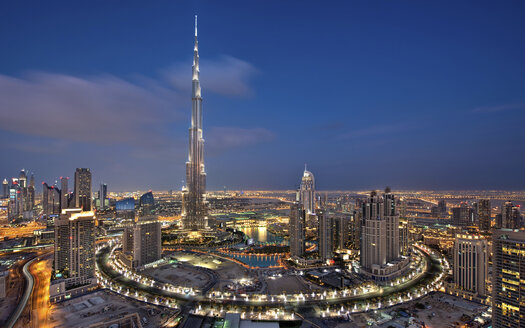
[(194, 205)]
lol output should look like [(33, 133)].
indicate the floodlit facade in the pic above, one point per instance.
[(471, 264), (195, 210), (74, 255), (307, 192), (507, 278)]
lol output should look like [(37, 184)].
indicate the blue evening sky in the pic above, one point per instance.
[(410, 94)]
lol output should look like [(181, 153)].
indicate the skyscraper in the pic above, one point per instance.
[(484, 212), (391, 217), (65, 191), (102, 196), (296, 230), (373, 240), (508, 300), (194, 214), (307, 192), (5, 189), (462, 216), (50, 199), (325, 235), (471, 264), (74, 261), (340, 230), (510, 217), (83, 189), (141, 242)]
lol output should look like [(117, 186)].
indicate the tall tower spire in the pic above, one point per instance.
[(194, 200)]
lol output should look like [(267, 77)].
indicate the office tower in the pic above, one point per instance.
[(442, 208), (141, 243), (5, 189), (325, 235), (83, 189), (22, 179), (340, 230), (510, 217), (484, 211), (125, 208), (102, 196), (391, 217), (297, 227), (13, 209), (462, 216), (373, 240), (508, 299), (355, 228), (403, 237), (31, 193), (64, 199), (471, 264), (74, 257), (147, 204), (50, 199), (194, 213), (307, 192)]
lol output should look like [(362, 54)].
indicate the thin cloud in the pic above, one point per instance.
[(225, 138), (500, 108), (374, 130), (227, 76)]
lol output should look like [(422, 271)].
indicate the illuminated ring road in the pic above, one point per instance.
[(27, 293), (431, 276)]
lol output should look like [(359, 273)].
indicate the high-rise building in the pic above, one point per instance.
[(442, 208), (50, 199), (391, 217), (141, 242), (373, 240), (147, 204), (64, 200), (340, 230), (102, 196), (297, 228), (325, 235), (195, 209), (462, 216), (471, 264), (5, 189), (484, 212), (74, 257), (403, 237), (83, 189), (31, 193), (380, 245), (510, 217), (508, 299), (307, 192)]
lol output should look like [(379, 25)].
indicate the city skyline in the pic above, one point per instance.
[(441, 92)]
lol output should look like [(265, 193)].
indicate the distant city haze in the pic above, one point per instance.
[(410, 95)]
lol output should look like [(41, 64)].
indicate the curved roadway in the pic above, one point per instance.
[(27, 293), (432, 269)]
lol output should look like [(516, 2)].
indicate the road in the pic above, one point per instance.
[(41, 272), (27, 294)]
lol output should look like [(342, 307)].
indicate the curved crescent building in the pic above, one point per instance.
[(194, 206)]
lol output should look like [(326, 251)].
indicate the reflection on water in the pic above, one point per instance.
[(258, 261), (261, 235)]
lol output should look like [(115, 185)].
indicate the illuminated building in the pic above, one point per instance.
[(307, 192), (125, 208), (508, 280), (5, 189), (471, 264), (340, 230), (74, 256), (403, 237), (83, 189), (380, 237), (484, 212), (297, 227), (194, 206), (141, 243)]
